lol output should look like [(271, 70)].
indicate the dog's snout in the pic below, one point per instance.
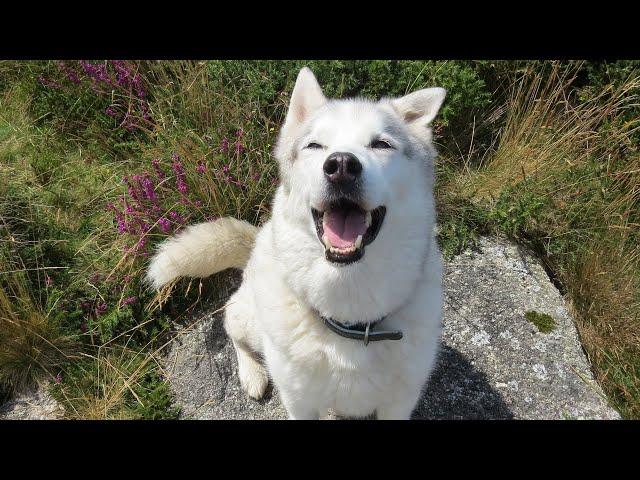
[(342, 167)]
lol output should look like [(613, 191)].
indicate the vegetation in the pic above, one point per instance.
[(101, 160), (544, 322)]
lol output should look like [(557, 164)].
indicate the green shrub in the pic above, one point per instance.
[(269, 82)]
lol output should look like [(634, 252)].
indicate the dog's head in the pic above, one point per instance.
[(357, 180)]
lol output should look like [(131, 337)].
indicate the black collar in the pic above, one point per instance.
[(362, 331)]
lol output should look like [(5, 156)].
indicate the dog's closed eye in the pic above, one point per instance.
[(314, 145), (380, 144)]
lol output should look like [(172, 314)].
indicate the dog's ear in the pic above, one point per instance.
[(421, 107), (306, 98)]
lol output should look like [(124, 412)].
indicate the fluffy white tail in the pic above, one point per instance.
[(202, 250)]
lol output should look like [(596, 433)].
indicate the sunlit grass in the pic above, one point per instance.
[(564, 177)]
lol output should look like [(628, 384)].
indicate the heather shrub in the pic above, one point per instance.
[(268, 82), (104, 104)]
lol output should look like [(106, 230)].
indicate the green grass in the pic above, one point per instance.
[(545, 154)]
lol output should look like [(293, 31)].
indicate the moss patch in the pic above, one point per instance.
[(544, 322)]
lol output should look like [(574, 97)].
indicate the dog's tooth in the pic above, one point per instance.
[(367, 219), (326, 242), (358, 241), (344, 250)]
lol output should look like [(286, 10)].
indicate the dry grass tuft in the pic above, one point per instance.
[(32, 347), (547, 131)]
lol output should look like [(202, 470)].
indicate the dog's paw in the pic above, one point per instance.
[(253, 379)]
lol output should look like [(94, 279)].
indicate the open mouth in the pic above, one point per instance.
[(345, 229)]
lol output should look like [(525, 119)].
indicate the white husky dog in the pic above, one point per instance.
[(341, 293)]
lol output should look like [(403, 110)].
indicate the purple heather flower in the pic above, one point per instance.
[(201, 168), (144, 106), (137, 83), (133, 193), (156, 167), (110, 111), (97, 73), (47, 280), (71, 75), (239, 133), (95, 277), (179, 171), (224, 145), (147, 185), (86, 306), (129, 300), (239, 147), (122, 224), (48, 83), (122, 73), (177, 168), (144, 227), (165, 225), (177, 217), (58, 378), (86, 66), (101, 309)]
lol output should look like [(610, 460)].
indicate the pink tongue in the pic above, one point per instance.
[(342, 228)]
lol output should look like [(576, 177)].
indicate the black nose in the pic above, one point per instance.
[(342, 167)]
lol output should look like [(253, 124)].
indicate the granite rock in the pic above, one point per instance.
[(493, 363)]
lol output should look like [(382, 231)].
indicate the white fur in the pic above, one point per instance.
[(201, 250), (287, 279)]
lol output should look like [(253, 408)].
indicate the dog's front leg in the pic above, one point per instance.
[(293, 388), (393, 412), (297, 408), (400, 409), (303, 414)]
